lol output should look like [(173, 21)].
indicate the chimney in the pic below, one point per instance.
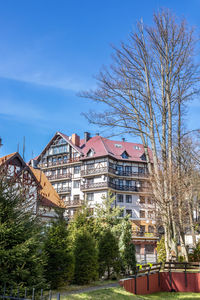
[(97, 133), (123, 139), (86, 136), (75, 139)]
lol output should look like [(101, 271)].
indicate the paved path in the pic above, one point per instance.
[(89, 289)]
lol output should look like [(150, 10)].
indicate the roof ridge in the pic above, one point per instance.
[(105, 146)]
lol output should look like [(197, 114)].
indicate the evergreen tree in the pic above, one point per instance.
[(109, 259), (60, 260), (127, 248), (86, 258), (21, 258), (161, 251)]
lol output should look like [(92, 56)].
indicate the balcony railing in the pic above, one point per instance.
[(58, 163), (72, 203), (144, 234), (59, 176), (127, 173), (96, 185), (93, 185), (94, 171), (63, 190)]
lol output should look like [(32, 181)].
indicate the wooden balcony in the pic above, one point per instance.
[(58, 163), (59, 176), (104, 170), (144, 235), (74, 203), (63, 190), (94, 171), (114, 186)]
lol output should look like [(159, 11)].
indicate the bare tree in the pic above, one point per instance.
[(152, 77)]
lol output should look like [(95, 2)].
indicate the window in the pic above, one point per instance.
[(118, 146), (136, 147), (141, 170), (149, 249), (128, 183), (76, 197), (76, 169), (119, 169), (76, 184), (90, 153), (128, 169), (121, 214), (142, 214), (54, 160), (150, 229), (142, 200), (128, 199), (129, 212), (142, 228), (125, 155), (64, 170), (150, 214), (137, 249), (90, 196), (120, 198)]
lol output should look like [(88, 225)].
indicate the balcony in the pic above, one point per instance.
[(144, 234), (96, 185), (127, 173), (59, 176), (58, 163), (94, 171), (74, 203), (63, 190), (100, 185)]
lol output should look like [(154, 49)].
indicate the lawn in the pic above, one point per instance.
[(119, 293)]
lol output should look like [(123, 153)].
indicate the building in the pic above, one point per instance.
[(41, 197), (85, 170)]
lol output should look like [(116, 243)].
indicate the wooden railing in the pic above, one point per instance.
[(96, 185), (63, 190), (144, 234), (75, 202), (58, 163), (59, 176), (94, 171)]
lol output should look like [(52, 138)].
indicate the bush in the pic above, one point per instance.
[(60, 260), (86, 258), (195, 256)]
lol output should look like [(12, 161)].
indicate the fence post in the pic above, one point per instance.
[(33, 294), (185, 274), (58, 296), (50, 295)]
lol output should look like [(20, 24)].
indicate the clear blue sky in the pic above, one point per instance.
[(49, 50)]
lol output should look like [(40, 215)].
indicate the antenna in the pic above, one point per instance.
[(18, 147), (23, 156)]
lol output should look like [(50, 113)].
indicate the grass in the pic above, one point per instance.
[(119, 293), (74, 287)]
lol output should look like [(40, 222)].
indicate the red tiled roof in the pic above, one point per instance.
[(103, 146)]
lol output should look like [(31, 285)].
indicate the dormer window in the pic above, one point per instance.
[(143, 157), (136, 147), (90, 153), (125, 155), (118, 145)]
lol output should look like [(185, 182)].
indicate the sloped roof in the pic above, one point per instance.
[(49, 196), (103, 146), (5, 158)]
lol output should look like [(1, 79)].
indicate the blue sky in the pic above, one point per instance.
[(50, 50)]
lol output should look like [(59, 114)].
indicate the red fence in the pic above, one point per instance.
[(151, 282)]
